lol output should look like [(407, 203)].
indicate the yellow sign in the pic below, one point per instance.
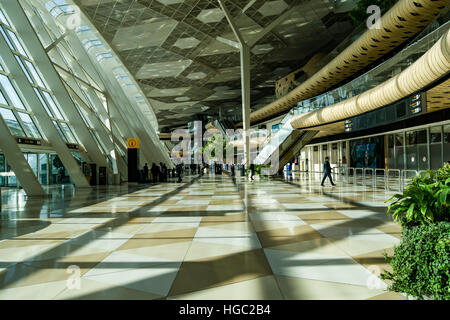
[(133, 143)]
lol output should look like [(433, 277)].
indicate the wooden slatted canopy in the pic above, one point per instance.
[(431, 66), (405, 19)]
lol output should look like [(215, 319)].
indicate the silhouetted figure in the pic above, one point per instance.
[(327, 172), (232, 170), (155, 172), (165, 172), (179, 171), (252, 170), (146, 173)]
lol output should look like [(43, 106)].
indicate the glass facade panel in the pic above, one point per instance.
[(2, 98), (68, 132), (36, 77), (32, 162), (43, 102), (11, 92), (30, 125), (2, 31), (19, 61), (60, 131), (52, 105), (12, 122), (3, 18), (17, 43)]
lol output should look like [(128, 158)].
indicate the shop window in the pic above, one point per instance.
[(447, 143), (435, 147), (435, 134)]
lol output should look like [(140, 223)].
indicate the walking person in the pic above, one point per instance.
[(179, 171), (327, 172), (252, 171)]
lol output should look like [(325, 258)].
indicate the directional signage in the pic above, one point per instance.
[(133, 143)]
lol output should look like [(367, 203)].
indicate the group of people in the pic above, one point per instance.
[(159, 173)]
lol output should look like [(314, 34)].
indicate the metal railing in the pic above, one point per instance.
[(389, 179), (355, 176), (384, 178)]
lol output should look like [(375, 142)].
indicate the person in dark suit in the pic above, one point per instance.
[(327, 172), (252, 171)]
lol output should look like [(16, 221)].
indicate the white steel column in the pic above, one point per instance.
[(245, 82), (18, 163)]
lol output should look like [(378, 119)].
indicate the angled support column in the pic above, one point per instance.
[(245, 82), (42, 117), (18, 163), (34, 46)]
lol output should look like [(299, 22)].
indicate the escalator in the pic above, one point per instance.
[(223, 125), (287, 141)]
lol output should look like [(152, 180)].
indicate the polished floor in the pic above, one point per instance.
[(209, 237)]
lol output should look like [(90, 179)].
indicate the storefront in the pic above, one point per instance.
[(420, 148), (46, 166)]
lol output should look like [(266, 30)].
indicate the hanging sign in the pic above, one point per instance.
[(133, 143)]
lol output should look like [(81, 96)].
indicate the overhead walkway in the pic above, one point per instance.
[(399, 25), (305, 121), (431, 67)]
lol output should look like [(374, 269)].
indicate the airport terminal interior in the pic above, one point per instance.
[(224, 149)]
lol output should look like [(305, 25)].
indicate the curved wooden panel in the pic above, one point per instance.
[(405, 19), (429, 67)]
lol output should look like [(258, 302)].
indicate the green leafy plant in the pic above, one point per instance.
[(421, 263), (258, 168), (424, 201)]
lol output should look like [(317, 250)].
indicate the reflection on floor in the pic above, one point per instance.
[(209, 237)]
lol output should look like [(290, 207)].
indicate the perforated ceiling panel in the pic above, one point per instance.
[(174, 47)]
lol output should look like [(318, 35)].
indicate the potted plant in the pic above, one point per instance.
[(421, 262)]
